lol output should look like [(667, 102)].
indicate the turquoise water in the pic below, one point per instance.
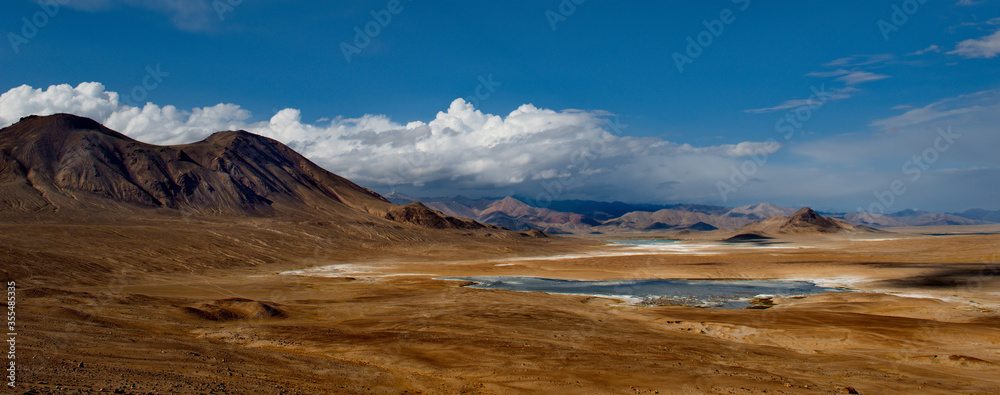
[(704, 293)]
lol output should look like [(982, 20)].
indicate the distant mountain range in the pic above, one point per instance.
[(582, 216)]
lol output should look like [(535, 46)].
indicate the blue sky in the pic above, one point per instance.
[(681, 135)]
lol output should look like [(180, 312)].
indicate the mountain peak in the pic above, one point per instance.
[(71, 121), (230, 134), (62, 125), (807, 218), (806, 213)]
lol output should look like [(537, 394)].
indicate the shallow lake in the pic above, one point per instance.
[(732, 294)]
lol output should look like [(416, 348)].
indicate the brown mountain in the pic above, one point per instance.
[(674, 219), (418, 213), (67, 164), (521, 211), (803, 221)]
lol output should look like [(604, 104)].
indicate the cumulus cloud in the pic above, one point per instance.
[(565, 153), (985, 47), (88, 99)]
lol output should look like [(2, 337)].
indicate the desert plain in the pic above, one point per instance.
[(244, 306)]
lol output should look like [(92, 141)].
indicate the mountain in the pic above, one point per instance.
[(760, 211), (700, 227), (662, 219), (508, 212), (600, 211), (922, 218), (515, 214), (978, 214), (803, 221), (67, 164), (872, 219), (537, 218), (585, 216), (603, 211), (419, 214), (685, 216)]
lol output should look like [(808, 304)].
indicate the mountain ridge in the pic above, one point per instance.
[(513, 213), (68, 166)]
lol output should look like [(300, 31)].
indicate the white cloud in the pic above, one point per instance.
[(984, 47), (460, 149), (860, 60), (857, 77), (834, 73), (88, 99), (787, 104), (169, 125), (932, 48), (813, 101), (849, 77)]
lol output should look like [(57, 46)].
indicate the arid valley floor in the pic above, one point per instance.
[(190, 306)]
